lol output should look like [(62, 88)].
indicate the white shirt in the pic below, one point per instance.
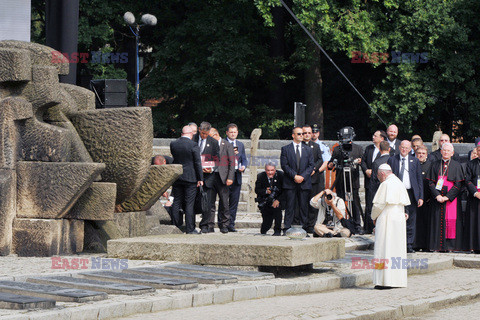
[(392, 143), (234, 142), (406, 176), (299, 148), (375, 152)]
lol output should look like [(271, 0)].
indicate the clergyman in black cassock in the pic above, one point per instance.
[(423, 213), (445, 181), (472, 218)]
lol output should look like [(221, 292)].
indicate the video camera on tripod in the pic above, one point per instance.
[(347, 162), (345, 139)]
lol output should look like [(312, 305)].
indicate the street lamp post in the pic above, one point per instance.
[(147, 20)]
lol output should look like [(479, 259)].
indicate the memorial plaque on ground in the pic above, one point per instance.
[(52, 292), (231, 249), (19, 302), (141, 279), (89, 284), (239, 274), (180, 274)]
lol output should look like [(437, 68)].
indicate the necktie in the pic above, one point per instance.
[(402, 169), (270, 181), (297, 154), (202, 141)]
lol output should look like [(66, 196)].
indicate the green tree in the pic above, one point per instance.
[(422, 97)]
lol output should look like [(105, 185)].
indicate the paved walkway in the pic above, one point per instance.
[(311, 306)]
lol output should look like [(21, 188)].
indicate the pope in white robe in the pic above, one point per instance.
[(388, 212)]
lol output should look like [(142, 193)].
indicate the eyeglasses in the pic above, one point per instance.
[(298, 133), (307, 133)]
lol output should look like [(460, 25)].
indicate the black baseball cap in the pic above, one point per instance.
[(315, 127)]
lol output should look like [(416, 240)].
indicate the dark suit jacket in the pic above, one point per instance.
[(187, 153), (397, 146), (262, 184), (242, 161), (414, 173), (437, 155), (367, 162), (288, 162), (374, 182), (210, 153), (226, 161), (317, 160)]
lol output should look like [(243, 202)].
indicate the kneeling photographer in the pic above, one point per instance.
[(331, 221), (269, 193)]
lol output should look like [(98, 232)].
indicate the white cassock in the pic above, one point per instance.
[(390, 232)]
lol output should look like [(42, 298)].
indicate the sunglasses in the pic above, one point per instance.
[(298, 133), (307, 133)]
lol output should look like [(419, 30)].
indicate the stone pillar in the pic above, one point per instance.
[(254, 137), (8, 208)]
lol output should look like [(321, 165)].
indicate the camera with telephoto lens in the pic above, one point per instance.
[(268, 200)]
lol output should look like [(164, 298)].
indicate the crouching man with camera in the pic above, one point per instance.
[(268, 188), (331, 221)]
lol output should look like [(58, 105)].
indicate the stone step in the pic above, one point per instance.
[(179, 274), (239, 274), (20, 302), (97, 285), (141, 279), (231, 249), (51, 292)]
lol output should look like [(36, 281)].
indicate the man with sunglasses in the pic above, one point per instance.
[(297, 164), (318, 183)]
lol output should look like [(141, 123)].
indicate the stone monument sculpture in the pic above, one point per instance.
[(64, 164)]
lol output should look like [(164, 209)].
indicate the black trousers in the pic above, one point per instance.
[(270, 214), (222, 190), (296, 211), (356, 206), (184, 196), (234, 197), (368, 222), (412, 218)]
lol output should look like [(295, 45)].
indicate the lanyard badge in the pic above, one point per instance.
[(440, 183)]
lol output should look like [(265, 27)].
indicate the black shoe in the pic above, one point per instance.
[(316, 235), (307, 236), (193, 232), (204, 230), (232, 229), (360, 231), (338, 235), (410, 250), (284, 233), (211, 230), (382, 287), (223, 230), (277, 233), (328, 235)]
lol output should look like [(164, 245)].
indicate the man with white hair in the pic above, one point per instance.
[(445, 181), (388, 214)]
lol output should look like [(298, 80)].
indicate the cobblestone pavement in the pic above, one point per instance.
[(463, 311), (311, 306)]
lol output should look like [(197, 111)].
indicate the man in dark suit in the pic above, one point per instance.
[(318, 182), (241, 164), (208, 152), (437, 155), (392, 133), (187, 153), (372, 152), (383, 158), (339, 158), (407, 168), (268, 188), (224, 174), (297, 164)]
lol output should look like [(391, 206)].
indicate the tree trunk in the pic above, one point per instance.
[(313, 91), (277, 51)]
